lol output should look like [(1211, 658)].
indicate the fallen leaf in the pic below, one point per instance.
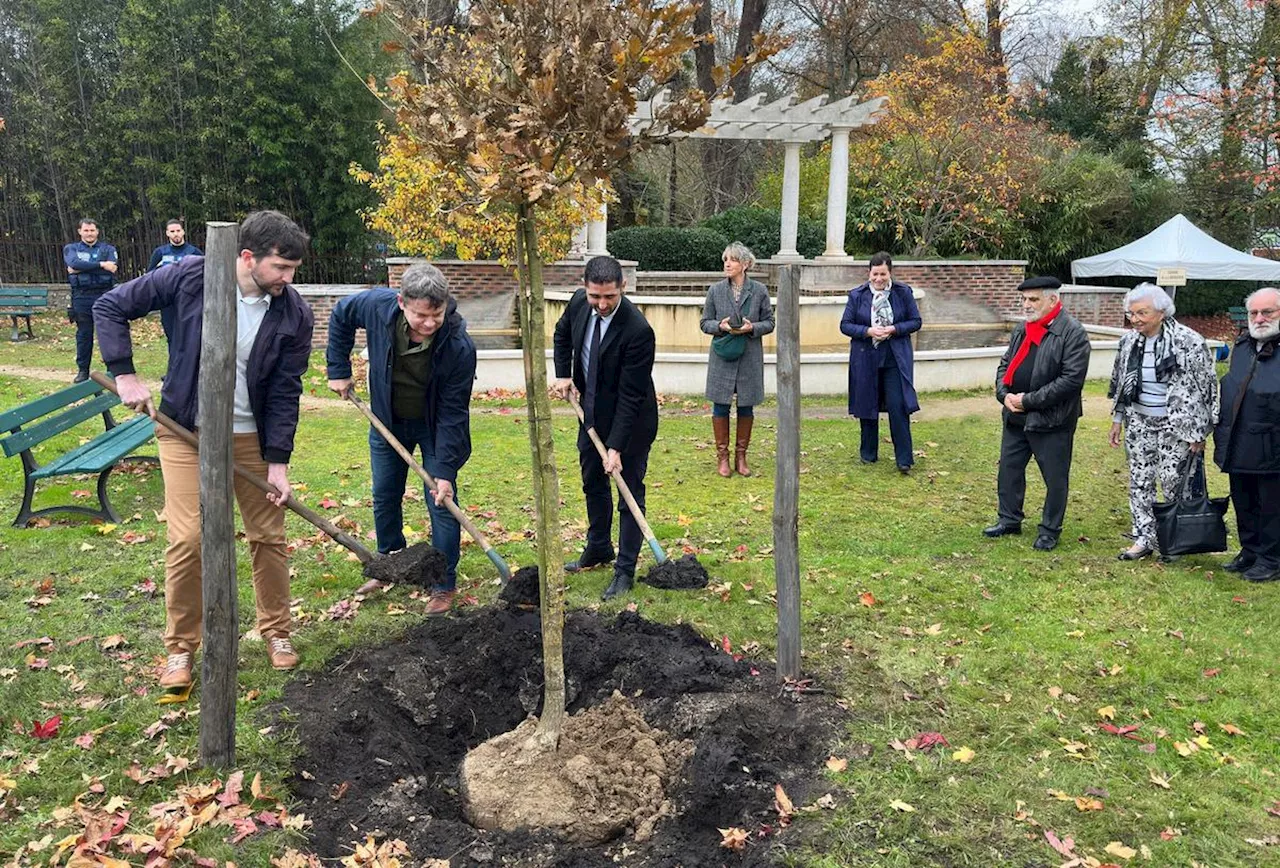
[(782, 803), (1160, 781), (899, 805), (1230, 729), (867, 599), (837, 764), (963, 755), (1055, 692), (928, 740), (1064, 846), (734, 838), (46, 729), (1086, 804), (116, 640), (1107, 712), (1211, 673), (1115, 848), (934, 629), (85, 741)]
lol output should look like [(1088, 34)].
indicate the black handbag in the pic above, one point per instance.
[(1194, 524)]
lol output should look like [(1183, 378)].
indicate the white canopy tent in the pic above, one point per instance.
[(1177, 243)]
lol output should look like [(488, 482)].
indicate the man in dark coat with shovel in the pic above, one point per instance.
[(604, 348), (422, 364), (273, 345)]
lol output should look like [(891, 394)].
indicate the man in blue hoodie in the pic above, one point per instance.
[(422, 364), (91, 268), (172, 253)]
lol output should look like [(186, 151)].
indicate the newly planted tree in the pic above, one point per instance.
[(522, 110)]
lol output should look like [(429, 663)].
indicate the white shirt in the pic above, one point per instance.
[(249, 315), (586, 341)]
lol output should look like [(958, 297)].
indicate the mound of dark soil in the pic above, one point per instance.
[(523, 588), (419, 565), (384, 732), (683, 574)]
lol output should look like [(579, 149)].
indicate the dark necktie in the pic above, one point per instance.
[(593, 375)]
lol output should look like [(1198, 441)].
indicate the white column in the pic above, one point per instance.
[(597, 232), (837, 196), (790, 202)]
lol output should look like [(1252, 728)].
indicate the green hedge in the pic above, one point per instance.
[(761, 230), (666, 248), (1209, 297)]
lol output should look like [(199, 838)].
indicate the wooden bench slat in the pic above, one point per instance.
[(49, 403), (55, 425), (103, 451)]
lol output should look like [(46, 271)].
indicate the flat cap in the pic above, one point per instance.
[(1047, 282)]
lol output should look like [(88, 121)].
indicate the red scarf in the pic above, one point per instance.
[(1035, 334)]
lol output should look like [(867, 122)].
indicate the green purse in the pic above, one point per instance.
[(731, 347)]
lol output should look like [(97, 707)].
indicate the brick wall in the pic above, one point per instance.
[(1095, 305), (992, 284)]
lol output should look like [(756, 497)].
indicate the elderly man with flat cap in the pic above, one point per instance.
[(1039, 383)]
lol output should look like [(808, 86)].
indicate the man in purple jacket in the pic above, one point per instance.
[(273, 342)]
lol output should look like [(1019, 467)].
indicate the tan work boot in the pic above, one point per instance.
[(281, 652), (177, 671), (720, 425), (440, 602)]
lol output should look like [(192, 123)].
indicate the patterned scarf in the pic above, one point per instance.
[(1130, 386), (881, 312), (1036, 330)]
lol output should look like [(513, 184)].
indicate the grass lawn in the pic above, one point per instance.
[(914, 620)]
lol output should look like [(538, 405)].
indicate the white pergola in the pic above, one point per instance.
[(784, 120)]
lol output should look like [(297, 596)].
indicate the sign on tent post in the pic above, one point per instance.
[(1171, 278)]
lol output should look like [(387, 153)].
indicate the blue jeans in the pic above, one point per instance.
[(722, 411), (899, 421), (390, 473)]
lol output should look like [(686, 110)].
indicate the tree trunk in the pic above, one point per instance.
[(995, 44), (546, 484)]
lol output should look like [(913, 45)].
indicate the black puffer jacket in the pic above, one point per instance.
[(1247, 439), (1061, 365)]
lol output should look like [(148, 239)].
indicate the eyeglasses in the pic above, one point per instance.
[(1265, 313), (1139, 314)]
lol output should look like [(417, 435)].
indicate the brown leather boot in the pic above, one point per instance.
[(720, 424), (744, 443)]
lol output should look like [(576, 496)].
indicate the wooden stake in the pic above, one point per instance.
[(786, 489), (217, 526)]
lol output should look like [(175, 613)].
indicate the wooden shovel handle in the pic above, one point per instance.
[(622, 486), (342, 538)]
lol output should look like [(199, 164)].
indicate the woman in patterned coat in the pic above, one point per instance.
[(738, 314), (1166, 404)]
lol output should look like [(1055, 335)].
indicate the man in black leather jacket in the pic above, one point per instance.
[(1039, 383)]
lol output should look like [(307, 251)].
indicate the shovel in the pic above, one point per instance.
[(344, 539), (654, 545), (504, 571)]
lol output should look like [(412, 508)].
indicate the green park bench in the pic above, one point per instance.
[(1239, 318), (20, 302), (53, 414)]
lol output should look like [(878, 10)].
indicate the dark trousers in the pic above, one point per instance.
[(598, 488), (1052, 451), (899, 421), (82, 316), (390, 473), (1256, 497)]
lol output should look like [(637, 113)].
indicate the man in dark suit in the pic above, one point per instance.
[(1039, 383), (604, 349)]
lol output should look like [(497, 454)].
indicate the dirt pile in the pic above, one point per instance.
[(523, 588), (419, 565), (610, 774), (384, 732), (683, 574)]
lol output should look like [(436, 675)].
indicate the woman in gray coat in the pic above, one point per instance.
[(738, 314)]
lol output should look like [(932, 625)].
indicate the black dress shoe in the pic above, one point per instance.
[(622, 583), (1239, 563), (1261, 573), (1130, 555), (1001, 528), (868, 460), (1045, 543), (587, 560), (80, 376), (904, 469)]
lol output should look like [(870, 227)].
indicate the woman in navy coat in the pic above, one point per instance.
[(879, 319)]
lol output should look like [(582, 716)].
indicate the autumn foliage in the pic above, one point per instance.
[(950, 161)]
